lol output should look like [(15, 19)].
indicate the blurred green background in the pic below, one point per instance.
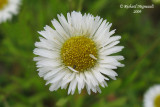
[(20, 85)]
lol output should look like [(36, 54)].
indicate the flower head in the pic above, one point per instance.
[(77, 53), (8, 8), (152, 97)]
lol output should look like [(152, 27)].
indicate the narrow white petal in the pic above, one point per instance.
[(54, 36), (72, 86), (47, 63), (109, 46), (48, 44), (99, 76), (113, 50), (88, 90), (58, 77), (92, 56), (51, 73), (80, 81), (72, 69), (91, 78), (118, 57), (107, 59), (57, 59), (44, 53), (108, 72), (70, 78), (108, 66), (60, 29), (98, 89), (55, 86), (111, 39)]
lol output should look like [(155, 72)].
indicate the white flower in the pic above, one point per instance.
[(8, 8), (152, 97), (77, 53)]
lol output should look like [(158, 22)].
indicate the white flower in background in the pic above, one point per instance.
[(77, 53), (8, 8), (152, 97)]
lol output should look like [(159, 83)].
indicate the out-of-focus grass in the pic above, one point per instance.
[(20, 86)]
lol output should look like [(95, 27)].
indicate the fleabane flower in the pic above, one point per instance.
[(152, 97), (8, 8), (76, 53)]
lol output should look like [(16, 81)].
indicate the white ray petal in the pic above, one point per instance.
[(60, 30), (118, 57), (113, 50), (109, 66), (58, 77), (109, 46), (112, 39), (72, 69), (108, 72), (92, 56), (44, 53), (72, 86), (47, 63), (99, 76), (52, 73), (66, 26), (70, 78)]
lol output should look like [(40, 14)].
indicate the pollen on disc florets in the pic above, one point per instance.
[(3, 3), (76, 52), (157, 101)]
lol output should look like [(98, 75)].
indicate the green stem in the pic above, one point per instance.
[(80, 5)]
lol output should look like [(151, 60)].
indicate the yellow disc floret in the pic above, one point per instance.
[(157, 101), (80, 53), (3, 3)]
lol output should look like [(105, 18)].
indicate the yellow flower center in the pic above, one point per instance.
[(79, 53), (3, 3), (157, 101)]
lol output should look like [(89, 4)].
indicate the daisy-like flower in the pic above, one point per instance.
[(77, 53), (8, 8), (152, 97)]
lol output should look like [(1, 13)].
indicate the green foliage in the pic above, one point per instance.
[(20, 85)]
